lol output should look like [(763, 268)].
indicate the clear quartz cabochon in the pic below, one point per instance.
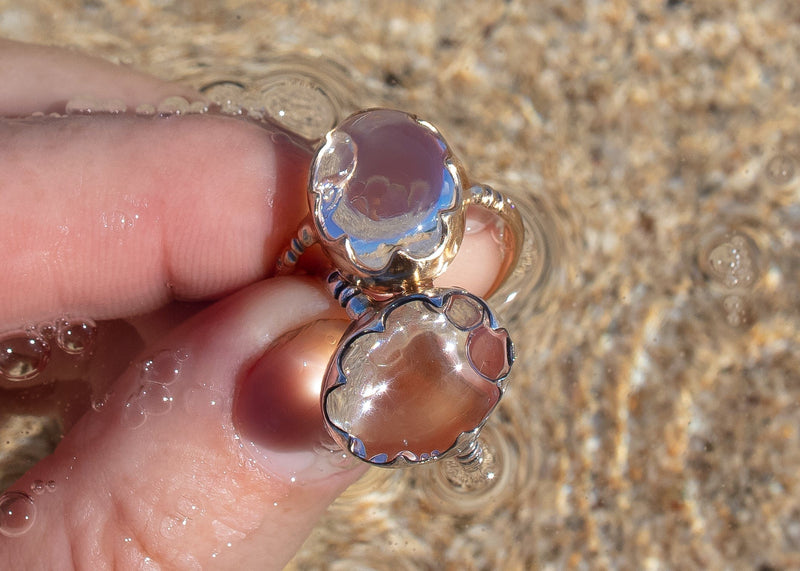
[(411, 379)]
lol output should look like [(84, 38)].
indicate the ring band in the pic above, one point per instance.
[(420, 369)]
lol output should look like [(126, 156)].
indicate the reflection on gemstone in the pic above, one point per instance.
[(414, 387), (383, 180)]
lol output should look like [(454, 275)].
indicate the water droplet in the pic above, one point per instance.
[(38, 487), (81, 105), (780, 169), (172, 526), (23, 357), (299, 103), (76, 336), (731, 260), (117, 221), (163, 367), (17, 513), (146, 110), (175, 105)]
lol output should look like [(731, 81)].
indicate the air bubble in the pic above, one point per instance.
[(780, 169), (730, 260), (133, 415), (175, 105), (146, 110), (46, 330), (81, 105), (22, 357), (17, 513), (38, 487), (197, 107), (226, 94), (99, 403), (76, 336), (51, 486), (298, 103), (154, 399), (114, 107), (736, 310), (163, 367)]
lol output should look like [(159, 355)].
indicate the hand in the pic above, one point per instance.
[(209, 449)]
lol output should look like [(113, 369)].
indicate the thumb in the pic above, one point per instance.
[(209, 452)]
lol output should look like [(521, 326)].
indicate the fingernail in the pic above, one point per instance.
[(277, 411)]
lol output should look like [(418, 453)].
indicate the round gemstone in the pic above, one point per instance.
[(383, 180), (411, 387)]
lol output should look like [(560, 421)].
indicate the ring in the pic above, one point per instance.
[(418, 372)]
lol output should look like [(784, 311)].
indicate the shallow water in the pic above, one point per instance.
[(653, 417)]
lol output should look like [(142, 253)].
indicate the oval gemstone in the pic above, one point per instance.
[(382, 180), (412, 389), (400, 169)]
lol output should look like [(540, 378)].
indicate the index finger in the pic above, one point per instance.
[(114, 216)]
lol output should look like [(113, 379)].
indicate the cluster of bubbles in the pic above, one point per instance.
[(729, 256), (298, 101), (153, 396), (24, 354), (730, 261), (39, 487)]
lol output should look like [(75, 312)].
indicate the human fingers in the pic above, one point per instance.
[(43, 79), (114, 216), (210, 451)]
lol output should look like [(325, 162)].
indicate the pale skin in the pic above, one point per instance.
[(214, 202)]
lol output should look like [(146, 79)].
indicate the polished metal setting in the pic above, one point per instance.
[(413, 380), (421, 368), (392, 233)]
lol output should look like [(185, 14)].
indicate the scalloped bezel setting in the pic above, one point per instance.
[(386, 197)]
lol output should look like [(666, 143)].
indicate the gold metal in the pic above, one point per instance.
[(397, 263)]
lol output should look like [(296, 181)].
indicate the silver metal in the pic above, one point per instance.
[(305, 238), (394, 254), (354, 387), (417, 374)]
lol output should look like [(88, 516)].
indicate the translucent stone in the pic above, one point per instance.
[(22, 357), (399, 181), (414, 387)]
